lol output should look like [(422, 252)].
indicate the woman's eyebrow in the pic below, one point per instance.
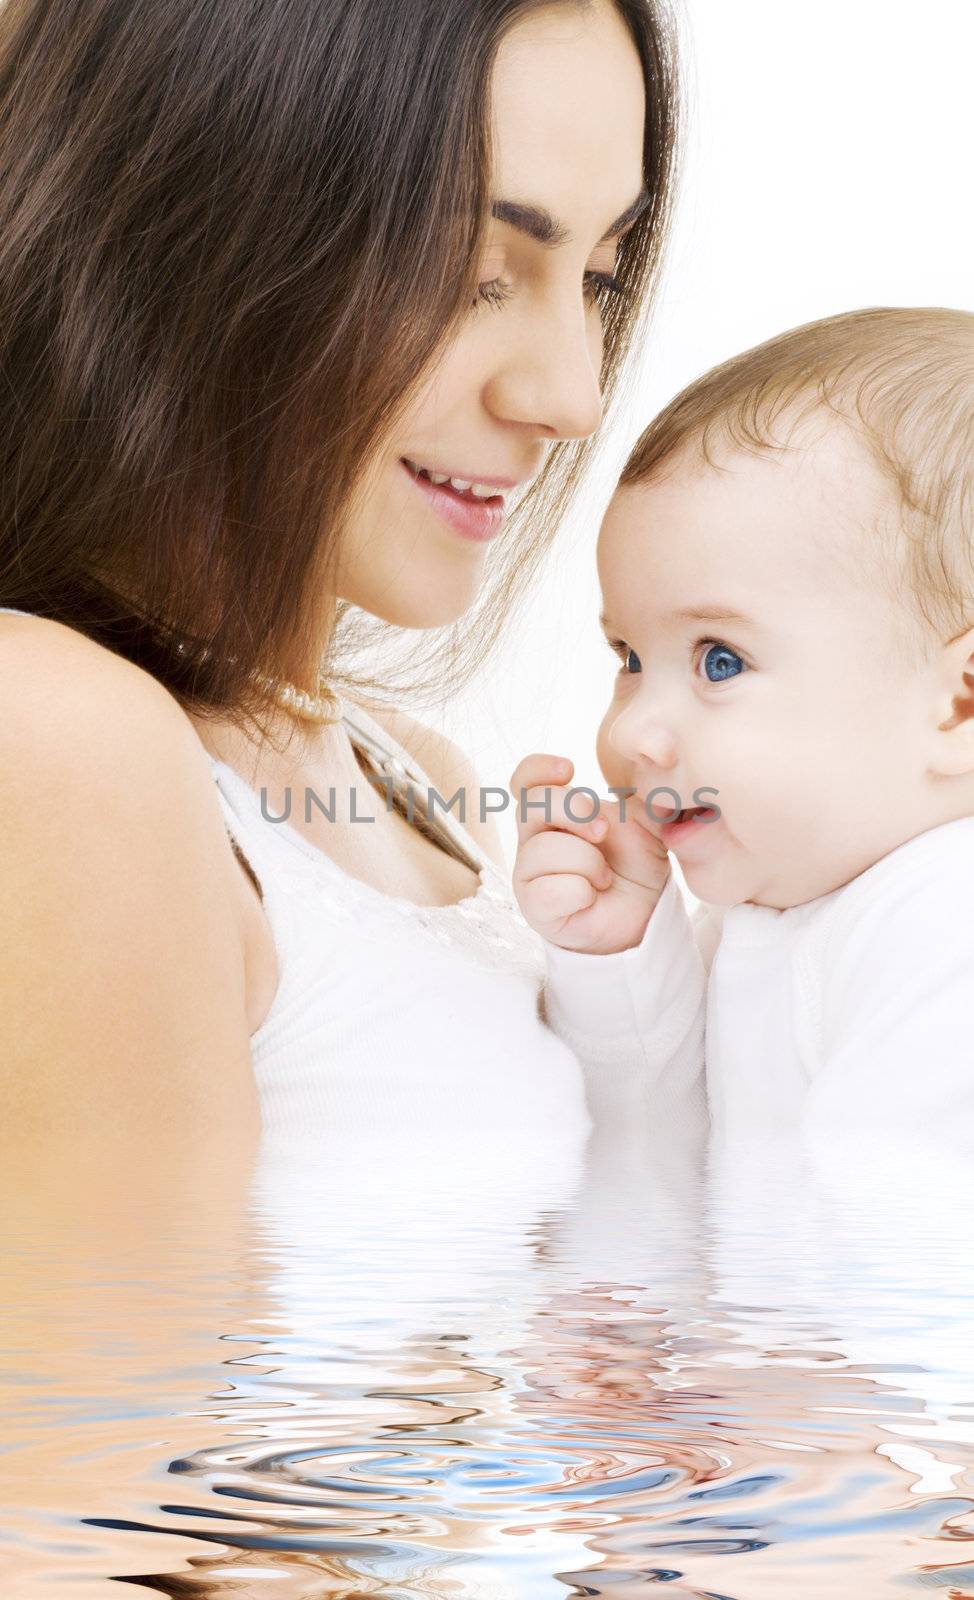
[(535, 221), (627, 217), (539, 224)]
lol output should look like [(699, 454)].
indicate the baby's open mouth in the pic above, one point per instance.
[(688, 814)]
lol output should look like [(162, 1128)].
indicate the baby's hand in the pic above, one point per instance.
[(578, 887)]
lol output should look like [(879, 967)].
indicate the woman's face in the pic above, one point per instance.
[(568, 106)]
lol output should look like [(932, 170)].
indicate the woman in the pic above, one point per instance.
[(267, 274)]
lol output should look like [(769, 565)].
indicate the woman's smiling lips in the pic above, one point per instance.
[(473, 508)]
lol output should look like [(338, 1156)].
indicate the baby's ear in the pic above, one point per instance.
[(954, 751)]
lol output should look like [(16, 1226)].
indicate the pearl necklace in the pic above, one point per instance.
[(325, 708)]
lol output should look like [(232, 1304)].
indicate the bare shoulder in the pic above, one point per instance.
[(450, 769), (75, 710), (122, 984)]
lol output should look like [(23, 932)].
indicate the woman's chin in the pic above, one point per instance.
[(436, 605)]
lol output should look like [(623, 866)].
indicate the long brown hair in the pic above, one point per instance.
[(233, 234)]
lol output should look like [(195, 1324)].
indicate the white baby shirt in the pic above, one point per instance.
[(855, 1010)]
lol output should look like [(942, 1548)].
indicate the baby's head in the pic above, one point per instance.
[(787, 573)]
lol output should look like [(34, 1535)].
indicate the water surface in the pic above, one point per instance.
[(420, 1370)]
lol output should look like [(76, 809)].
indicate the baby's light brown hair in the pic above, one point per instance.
[(903, 378)]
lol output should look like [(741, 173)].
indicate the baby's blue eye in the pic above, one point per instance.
[(720, 663), (622, 650)]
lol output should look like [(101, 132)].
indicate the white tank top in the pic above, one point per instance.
[(384, 1007)]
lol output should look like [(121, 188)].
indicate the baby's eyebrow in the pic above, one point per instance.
[(712, 613)]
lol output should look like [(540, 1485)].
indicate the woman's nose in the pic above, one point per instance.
[(550, 378)]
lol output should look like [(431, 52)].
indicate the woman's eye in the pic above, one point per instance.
[(494, 292), (602, 286), (720, 662)]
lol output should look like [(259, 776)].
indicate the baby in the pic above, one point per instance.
[(787, 574)]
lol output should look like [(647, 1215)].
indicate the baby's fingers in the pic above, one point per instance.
[(557, 875), (553, 852), (543, 800), (540, 768), (560, 896)]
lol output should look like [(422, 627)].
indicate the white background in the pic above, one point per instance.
[(827, 165)]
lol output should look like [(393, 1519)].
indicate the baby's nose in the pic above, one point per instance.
[(644, 740)]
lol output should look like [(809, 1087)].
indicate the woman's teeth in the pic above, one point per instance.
[(478, 491)]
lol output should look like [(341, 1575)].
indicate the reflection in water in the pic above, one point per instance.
[(485, 1372)]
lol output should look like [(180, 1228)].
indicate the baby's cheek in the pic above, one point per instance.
[(614, 769)]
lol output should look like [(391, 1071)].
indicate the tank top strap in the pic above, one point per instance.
[(409, 786)]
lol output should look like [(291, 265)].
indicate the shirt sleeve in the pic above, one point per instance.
[(896, 1033), (635, 1019)]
